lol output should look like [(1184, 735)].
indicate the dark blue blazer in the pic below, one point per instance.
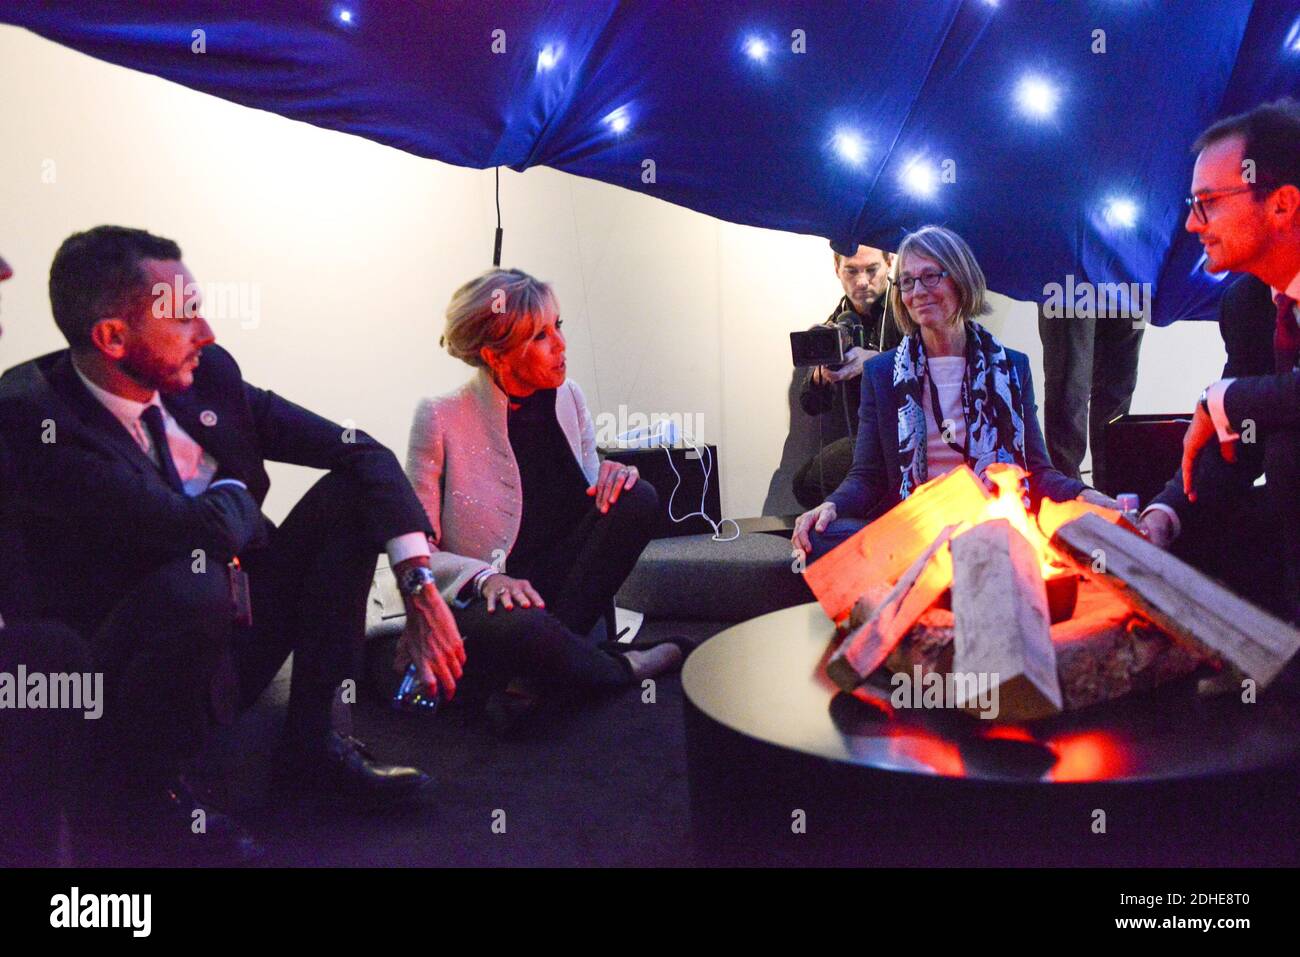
[(97, 514), (1247, 316), (871, 487)]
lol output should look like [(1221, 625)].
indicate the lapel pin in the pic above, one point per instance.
[(208, 418)]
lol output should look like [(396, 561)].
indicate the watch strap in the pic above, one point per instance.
[(413, 579)]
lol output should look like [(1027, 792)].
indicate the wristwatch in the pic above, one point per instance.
[(413, 580), (1204, 401)]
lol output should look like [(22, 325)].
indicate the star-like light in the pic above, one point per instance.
[(1037, 97), (548, 56), (919, 178), (851, 147), (757, 49), (1121, 212), (619, 120)]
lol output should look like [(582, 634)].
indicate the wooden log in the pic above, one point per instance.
[(866, 647), (866, 606), (1088, 645), (883, 550), (1107, 651), (1002, 634), (1184, 602), (1104, 652), (928, 644), (1052, 515)]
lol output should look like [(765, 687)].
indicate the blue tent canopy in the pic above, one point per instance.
[(1053, 135)]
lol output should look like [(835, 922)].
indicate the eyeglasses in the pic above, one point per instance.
[(929, 279), (1197, 203)]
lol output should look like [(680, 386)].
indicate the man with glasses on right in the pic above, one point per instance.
[(1245, 209)]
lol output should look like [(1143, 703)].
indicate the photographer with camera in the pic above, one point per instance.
[(831, 393)]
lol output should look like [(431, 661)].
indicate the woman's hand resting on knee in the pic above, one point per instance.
[(507, 591), (611, 481), (817, 518)]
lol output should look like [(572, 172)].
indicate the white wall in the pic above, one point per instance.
[(354, 249)]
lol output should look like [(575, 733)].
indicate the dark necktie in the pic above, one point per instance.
[(153, 421), (1286, 335)]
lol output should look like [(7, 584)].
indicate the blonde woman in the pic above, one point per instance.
[(533, 535), (949, 394)]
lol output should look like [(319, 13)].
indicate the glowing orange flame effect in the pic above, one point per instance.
[(1008, 480), (1090, 756)]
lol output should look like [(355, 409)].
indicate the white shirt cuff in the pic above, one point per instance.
[(228, 482), (1214, 399), (1173, 516), (410, 545)]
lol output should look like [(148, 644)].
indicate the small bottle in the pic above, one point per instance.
[(413, 696), (1128, 505)]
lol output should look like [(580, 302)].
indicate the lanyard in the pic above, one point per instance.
[(936, 409)]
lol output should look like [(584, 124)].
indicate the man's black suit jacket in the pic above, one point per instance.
[(1246, 319), (97, 513), (15, 587)]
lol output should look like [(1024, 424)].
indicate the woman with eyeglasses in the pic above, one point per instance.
[(949, 394)]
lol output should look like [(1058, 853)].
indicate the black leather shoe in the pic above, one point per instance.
[(165, 827), (345, 769)]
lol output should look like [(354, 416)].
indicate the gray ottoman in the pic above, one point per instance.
[(694, 578)]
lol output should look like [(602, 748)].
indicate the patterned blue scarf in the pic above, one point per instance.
[(990, 398)]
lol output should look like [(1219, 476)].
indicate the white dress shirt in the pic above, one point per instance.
[(196, 466)]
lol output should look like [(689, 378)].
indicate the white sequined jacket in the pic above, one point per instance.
[(464, 472)]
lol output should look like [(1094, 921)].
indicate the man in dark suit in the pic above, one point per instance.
[(1245, 209), (36, 745), (142, 453)]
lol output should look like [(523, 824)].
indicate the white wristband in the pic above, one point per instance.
[(481, 578)]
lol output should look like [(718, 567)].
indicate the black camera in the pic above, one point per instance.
[(828, 344)]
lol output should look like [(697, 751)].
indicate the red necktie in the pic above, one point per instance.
[(1286, 335)]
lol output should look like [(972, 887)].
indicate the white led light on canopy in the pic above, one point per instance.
[(919, 178), (756, 48), (618, 121), (1121, 212), (850, 146), (1292, 44), (548, 56), (1037, 97)]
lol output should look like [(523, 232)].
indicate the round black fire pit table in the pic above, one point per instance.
[(784, 768)]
